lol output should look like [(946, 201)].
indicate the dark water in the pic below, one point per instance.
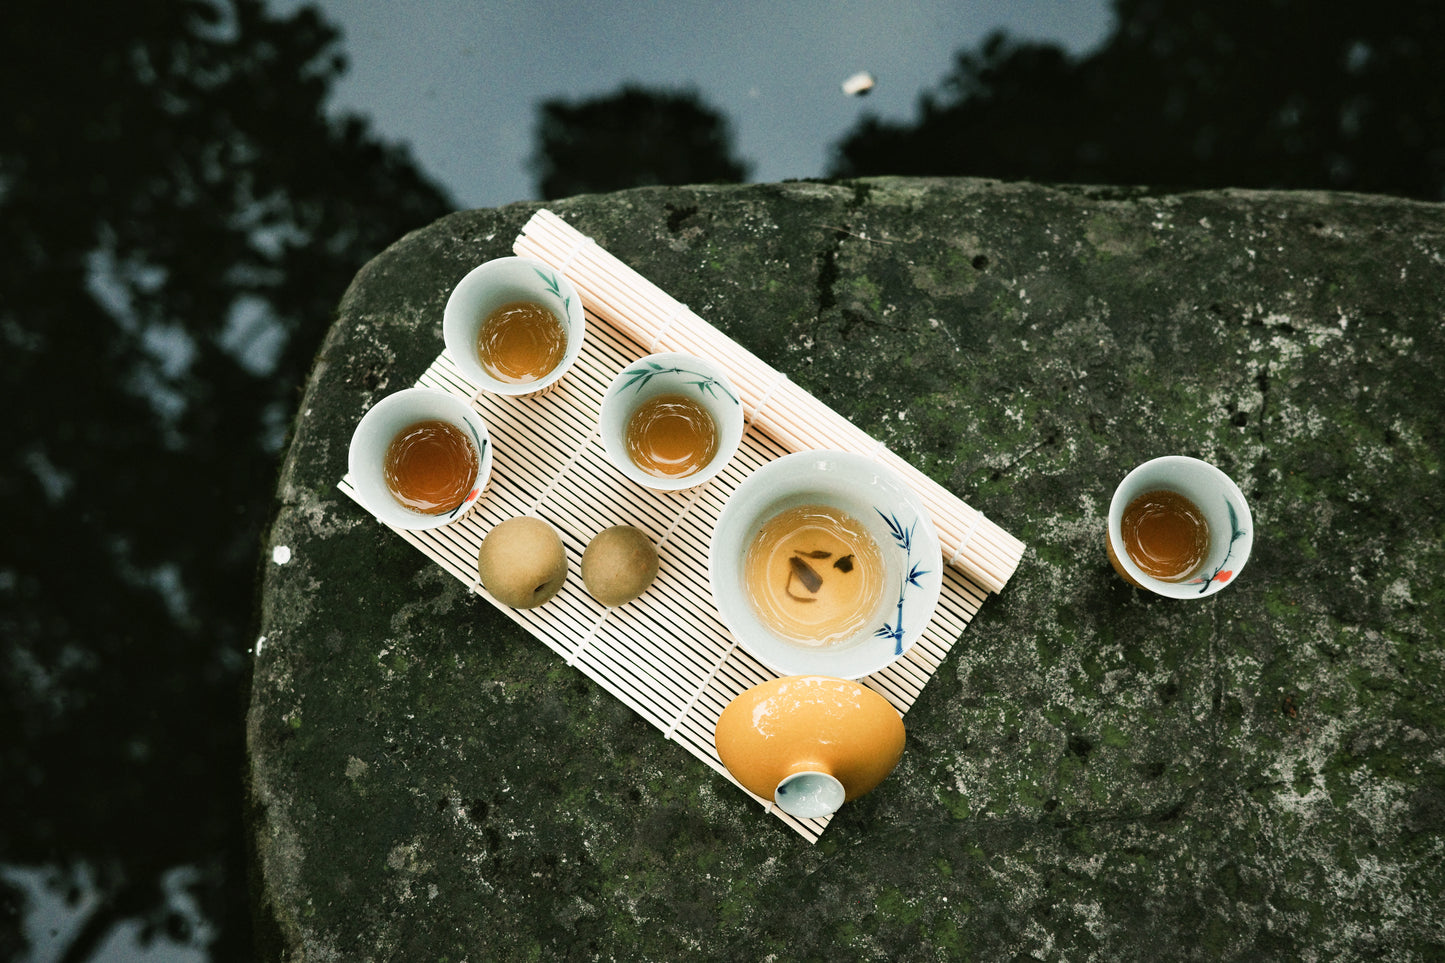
[(180, 217)]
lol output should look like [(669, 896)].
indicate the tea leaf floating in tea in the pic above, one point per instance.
[(796, 600), (811, 580)]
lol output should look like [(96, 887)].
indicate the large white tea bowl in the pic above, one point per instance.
[(893, 516)]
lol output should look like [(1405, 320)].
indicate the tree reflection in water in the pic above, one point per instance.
[(1234, 93), (181, 218)]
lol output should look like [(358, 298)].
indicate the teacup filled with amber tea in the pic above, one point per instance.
[(420, 458), (670, 421), (825, 562), (1179, 527), (514, 325)]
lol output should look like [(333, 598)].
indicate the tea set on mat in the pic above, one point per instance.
[(824, 565)]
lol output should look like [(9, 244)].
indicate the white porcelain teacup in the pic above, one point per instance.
[(493, 286), (1219, 503), (379, 428), (675, 381)]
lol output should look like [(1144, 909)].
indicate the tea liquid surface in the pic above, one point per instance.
[(430, 466), (814, 575), (671, 436), (521, 342), (1166, 535)]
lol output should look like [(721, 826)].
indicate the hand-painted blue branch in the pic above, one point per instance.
[(550, 280), (481, 443), (1220, 574), (555, 287), (903, 536), (731, 397), (709, 386), (481, 457), (916, 574), (641, 377), (706, 384), (894, 632)]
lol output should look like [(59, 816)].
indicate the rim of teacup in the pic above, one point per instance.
[(380, 424), (1187, 475), (659, 373), (493, 283)]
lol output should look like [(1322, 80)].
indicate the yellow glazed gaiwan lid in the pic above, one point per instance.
[(809, 742)]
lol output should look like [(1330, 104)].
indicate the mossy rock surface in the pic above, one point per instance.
[(1093, 774)]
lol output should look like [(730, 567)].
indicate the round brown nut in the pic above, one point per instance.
[(619, 564), (522, 562)]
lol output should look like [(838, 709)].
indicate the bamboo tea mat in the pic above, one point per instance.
[(666, 654)]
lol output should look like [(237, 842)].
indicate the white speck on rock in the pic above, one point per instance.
[(281, 554)]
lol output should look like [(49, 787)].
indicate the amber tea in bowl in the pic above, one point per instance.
[(670, 421), (430, 466), (1166, 535), (825, 562), (514, 326), (521, 342), (814, 575), (1179, 527), (420, 458), (671, 436)]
